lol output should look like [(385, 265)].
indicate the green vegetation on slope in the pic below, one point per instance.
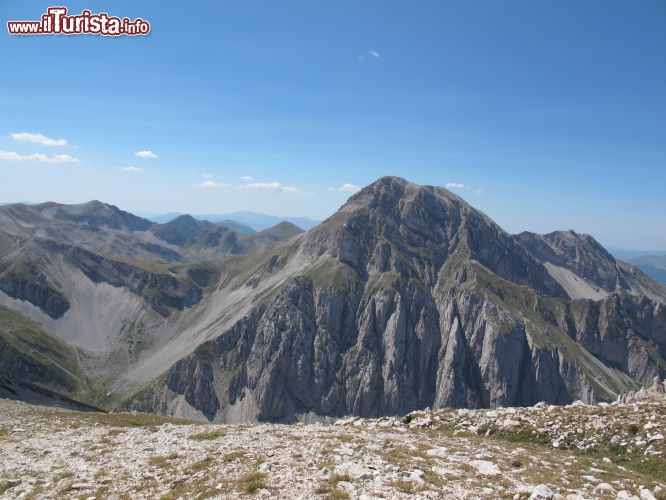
[(28, 353)]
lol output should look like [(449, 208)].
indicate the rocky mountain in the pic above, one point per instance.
[(405, 298), (182, 229), (584, 268)]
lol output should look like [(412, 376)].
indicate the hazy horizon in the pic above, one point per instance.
[(619, 251)]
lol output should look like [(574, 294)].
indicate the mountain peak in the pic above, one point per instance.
[(284, 229), (97, 213), (396, 225), (184, 219), (386, 192), (181, 229)]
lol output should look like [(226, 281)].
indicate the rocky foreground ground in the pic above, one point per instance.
[(576, 451)]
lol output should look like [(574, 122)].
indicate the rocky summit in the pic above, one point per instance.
[(406, 298)]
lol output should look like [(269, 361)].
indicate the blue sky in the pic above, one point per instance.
[(545, 115)]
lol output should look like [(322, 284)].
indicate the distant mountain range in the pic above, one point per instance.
[(242, 222), (407, 297), (653, 265)]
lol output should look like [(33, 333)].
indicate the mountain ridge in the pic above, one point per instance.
[(333, 243), (405, 298), (255, 221)]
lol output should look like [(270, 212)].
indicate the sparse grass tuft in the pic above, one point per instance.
[(37, 492), (162, 461), (347, 438), (233, 456), (404, 486), (202, 464), (403, 456), (338, 495), (523, 436), (4, 486), (323, 488), (653, 466), (207, 436), (4, 431), (185, 489), (251, 482), (62, 475), (126, 419), (433, 478), (336, 478), (329, 486)]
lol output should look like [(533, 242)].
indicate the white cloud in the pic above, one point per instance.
[(457, 185), (266, 186), (37, 139), (145, 154), (37, 157), (350, 188), (131, 168), (246, 178), (346, 188), (209, 183), (275, 187), (372, 53)]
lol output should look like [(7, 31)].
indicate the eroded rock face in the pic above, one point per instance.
[(30, 284), (161, 291), (330, 353), (425, 302)]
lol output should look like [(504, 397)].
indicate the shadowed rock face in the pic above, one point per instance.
[(27, 279), (410, 298), (30, 284), (162, 292)]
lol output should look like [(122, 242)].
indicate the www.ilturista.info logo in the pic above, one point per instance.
[(57, 22)]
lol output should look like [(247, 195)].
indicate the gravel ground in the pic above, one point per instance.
[(577, 451)]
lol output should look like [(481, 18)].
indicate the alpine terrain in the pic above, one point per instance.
[(406, 298)]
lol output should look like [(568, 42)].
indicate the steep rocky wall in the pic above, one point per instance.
[(371, 352)]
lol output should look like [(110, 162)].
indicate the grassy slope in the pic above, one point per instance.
[(29, 353)]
